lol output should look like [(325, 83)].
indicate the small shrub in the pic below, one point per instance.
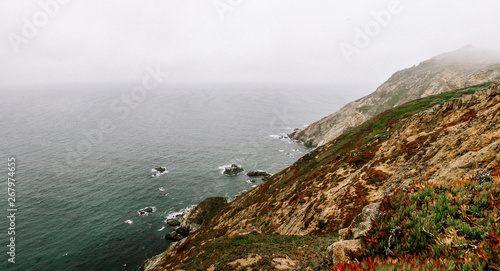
[(321, 224)]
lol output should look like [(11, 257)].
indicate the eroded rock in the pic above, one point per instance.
[(338, 250)]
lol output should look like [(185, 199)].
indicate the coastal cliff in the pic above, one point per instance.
[(288, 221), (467, 66)]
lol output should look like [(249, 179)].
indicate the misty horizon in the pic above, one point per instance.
[(323, 43)]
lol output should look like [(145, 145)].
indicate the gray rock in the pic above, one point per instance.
[(233, 170), (174, 236), (183, 229), (258, 173), (173, 222), (161, 169), (370, 211)]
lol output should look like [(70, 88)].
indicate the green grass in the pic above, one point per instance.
[(365, 108), (310, 250), (376, 128)]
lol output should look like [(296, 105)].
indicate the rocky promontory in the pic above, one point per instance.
[(462, 68), (195, 217)]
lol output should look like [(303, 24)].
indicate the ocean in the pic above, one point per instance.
[(84, 155)]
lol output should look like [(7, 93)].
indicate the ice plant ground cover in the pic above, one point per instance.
[(436, 227)]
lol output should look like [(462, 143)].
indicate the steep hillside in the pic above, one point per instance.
[(436, 140), (466, 67)]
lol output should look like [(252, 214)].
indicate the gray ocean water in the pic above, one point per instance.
[(84, 155)]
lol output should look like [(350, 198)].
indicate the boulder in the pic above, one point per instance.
[(338, 250), (174, 236), (233, 170)]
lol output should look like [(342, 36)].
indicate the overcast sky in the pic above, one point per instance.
[(225, 41)]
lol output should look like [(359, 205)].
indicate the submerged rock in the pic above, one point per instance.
[(233, 170)]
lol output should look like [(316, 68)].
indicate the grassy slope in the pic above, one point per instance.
[(310, 250), (362, 141)]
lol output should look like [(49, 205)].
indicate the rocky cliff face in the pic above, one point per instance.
[(438, 139), (465, 67)]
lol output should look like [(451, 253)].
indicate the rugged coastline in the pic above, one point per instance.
[(429, 141), (465, 67), (424, 130)]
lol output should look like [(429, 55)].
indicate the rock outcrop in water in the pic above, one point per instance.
[(466, 67), (233, 170), (264, 174), (161, 169), (437, 140)]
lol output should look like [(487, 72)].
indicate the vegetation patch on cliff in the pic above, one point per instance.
[(306, 251), (366, 138), (436, 227)]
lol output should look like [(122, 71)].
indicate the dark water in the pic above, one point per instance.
[(84, 155)]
